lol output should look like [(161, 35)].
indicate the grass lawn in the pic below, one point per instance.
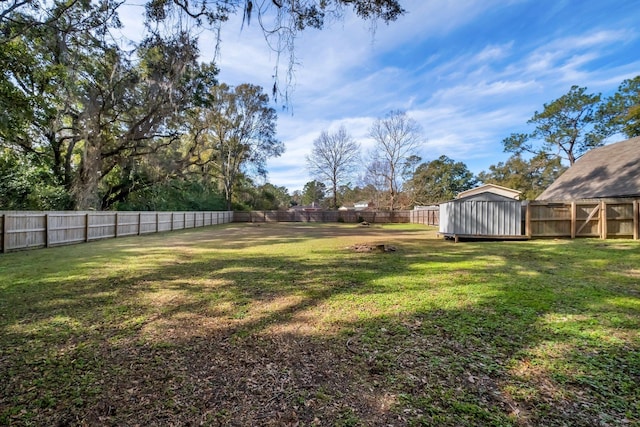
[(287, 324)]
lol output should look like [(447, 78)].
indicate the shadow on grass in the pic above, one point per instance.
[(205, 329)]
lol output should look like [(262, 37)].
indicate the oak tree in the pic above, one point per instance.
[(440, 180)]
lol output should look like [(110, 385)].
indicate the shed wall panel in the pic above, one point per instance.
[(481, 218)]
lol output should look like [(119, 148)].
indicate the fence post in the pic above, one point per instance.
[(574, 219), (86, 227), (636, 219), (603, 220), (3, 244), (527, 221), (46, 230), (117, 225), (139, 222)]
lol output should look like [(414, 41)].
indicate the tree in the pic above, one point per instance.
[(27, 184), (133, 112), (396, 138), (296, 197), (440, 180), (236, 135), (48, 56), (281, 21), (334, 160), (299, 14), (173, 194), (103, 123), (268, 197), (531, 177), (313, 192), (621, 112), (93, 110), (567, 126), (356, 194), (374, 179), (293, 15)]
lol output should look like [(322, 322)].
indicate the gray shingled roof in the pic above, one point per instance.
[(609, 171)]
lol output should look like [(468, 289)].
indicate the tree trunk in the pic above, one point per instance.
[(85, 185)]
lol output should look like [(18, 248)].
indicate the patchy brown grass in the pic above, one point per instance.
[(287, 324)]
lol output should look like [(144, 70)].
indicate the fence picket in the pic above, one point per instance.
[(609, 218), (26, 230)]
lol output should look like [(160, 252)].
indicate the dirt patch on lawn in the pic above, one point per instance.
[(373, 247)]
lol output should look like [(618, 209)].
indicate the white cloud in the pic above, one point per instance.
[(494, 52), (600, 38), (478, 92), (468, 90)]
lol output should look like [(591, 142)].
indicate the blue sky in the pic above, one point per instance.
[(470, 72)]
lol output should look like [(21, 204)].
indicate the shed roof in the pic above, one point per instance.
[(491, 188), (486, 196), (609, 171)]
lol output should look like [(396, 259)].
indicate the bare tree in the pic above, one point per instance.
[(334, 159), (373, 179), (397, 137)]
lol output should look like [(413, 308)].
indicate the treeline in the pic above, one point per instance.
[(92, 121), (393, 176)]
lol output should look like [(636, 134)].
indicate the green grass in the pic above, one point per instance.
[(281, 324)]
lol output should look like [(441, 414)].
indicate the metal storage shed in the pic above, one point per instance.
[(485, 215)]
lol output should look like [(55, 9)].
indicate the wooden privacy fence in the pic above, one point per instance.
[(24, 230), (607, 218), (420, 217), (428, 216)]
